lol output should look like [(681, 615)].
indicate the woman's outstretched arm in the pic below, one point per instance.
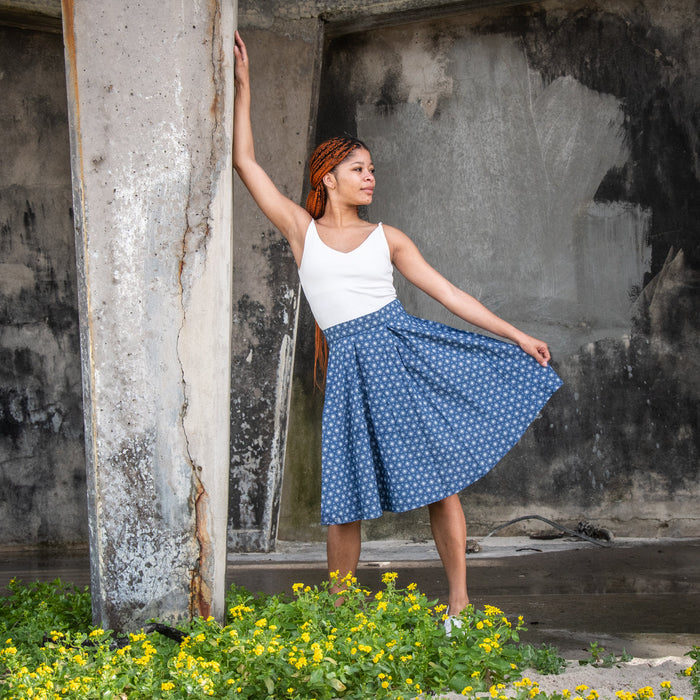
[(291, 219), (411, 264)]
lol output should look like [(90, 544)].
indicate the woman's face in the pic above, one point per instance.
[(353, 179)]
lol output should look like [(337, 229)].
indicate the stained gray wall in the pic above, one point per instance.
[(606, 267), (42, 463), (265, 281), (557, 180)]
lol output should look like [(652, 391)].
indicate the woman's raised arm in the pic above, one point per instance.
[(291, 219)]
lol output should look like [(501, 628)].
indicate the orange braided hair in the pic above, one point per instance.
[(325, 158)]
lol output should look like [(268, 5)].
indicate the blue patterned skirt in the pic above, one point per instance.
[(415, 411)]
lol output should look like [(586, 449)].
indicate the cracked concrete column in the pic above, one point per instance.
[(150, 88)]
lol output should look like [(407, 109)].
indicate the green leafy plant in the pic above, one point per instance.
[(31, 610), (599, 658), (388, 644), (544, 659), (385, 644), (693, 672)]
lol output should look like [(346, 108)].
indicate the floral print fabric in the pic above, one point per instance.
[(415, 411)]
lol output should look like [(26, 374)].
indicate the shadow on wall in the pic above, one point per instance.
[(556, 180)]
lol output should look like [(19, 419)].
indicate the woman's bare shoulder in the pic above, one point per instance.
[(395, 237)]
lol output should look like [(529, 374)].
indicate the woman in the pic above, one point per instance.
[(414, 410)]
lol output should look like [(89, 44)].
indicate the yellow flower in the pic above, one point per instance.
[(665, 684), (389, 577), (492, 610), (409, 681), (167, 686), (581, 688), (467, 689)]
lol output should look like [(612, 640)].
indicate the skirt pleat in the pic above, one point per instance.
[(416, 411)]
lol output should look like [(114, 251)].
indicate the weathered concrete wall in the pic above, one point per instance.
[(557, 180), (266, 284), (42, 462), (467, 117), (150, 108)]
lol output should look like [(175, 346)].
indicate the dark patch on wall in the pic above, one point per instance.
[(339, 94), (255, 366), (42, 463), (389, 93)]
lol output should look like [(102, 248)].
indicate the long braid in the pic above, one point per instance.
[(324, 159)]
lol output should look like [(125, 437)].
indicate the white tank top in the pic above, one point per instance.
[(342, 286)]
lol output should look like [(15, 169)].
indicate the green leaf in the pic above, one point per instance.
[(337, 685)]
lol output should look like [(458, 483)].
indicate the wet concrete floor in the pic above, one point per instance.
[(642, 596)]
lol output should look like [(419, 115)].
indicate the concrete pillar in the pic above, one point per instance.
[(150, 87)]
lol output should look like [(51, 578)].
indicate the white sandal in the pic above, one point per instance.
[(452, 622)]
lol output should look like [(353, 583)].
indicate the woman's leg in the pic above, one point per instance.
[(343, 549), (450, 534)]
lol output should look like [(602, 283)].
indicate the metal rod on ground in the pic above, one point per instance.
[(573, 533)]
